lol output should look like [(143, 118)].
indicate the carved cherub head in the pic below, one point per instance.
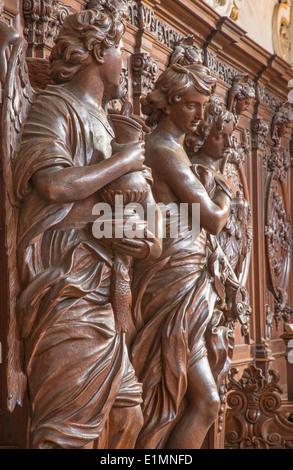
[(282, 121), (173, 85), (241, 95), (213, 133), (85, 35)]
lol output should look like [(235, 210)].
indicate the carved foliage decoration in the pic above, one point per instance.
[(42, 22), (254, 418)]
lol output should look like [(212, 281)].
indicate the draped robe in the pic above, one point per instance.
[(77, 365), (178, 324)]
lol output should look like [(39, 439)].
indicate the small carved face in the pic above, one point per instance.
[(243, 105), (218, 141), (187, 110)]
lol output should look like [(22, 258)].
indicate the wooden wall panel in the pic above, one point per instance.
[(153, 28)]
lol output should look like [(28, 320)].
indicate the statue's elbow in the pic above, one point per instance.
[(50, 193), (217, 224)]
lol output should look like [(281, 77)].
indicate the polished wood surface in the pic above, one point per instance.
[(253, 85)]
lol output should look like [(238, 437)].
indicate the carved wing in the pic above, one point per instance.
[(236, 237), (17, 96)]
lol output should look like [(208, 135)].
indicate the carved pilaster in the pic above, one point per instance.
[(42, 22)]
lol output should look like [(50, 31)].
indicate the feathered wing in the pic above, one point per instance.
[(235, 238), (17, 95)]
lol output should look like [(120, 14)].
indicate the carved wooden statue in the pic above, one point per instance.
[(119, 341), (81, 384), (176, 297)]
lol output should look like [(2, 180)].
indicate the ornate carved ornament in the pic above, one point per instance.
[(143, 17), (282, 29), (281, 311), (259, 130), (254, 419), (185, 52), (263, 96), (282, 121), (278, 237), (144, 70), (279, 163), (224, 72), (42, 21)]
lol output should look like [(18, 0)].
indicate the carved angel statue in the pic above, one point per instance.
[(207, 147), (235, 237), (67, 330), (176, 298)]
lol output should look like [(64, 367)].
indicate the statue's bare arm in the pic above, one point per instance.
[(173, 168), (69, 184)]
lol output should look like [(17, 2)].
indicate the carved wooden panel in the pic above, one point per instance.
[(259, 235), (255, 418)]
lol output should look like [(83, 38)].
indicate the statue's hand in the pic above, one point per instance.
[(136, 248), (132, 155)]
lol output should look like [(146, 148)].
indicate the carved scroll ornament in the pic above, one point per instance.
[(254, 418)]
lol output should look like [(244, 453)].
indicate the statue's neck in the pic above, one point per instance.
[(203, 158), (167, 129), (88, 87)]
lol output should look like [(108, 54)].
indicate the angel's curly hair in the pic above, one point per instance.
[(216, 114), (172, 84), (83, 33)]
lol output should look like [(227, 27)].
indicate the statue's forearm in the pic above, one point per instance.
[(76, 183)]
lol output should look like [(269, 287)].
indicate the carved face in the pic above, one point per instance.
[(218, 141), (186, 113), (110, 71), (243, 105)]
